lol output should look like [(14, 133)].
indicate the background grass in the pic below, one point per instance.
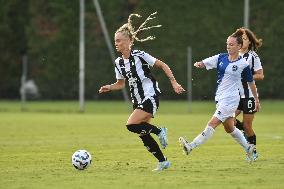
[(36, 147)]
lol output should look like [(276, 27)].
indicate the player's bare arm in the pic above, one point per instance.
[(120, 84), (254, 92), (258, 75), (177, 87)]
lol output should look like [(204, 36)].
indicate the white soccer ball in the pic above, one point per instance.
[(81, 159)]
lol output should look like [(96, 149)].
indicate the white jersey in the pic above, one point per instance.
[(229, 75), (136, 70), (254, 63)]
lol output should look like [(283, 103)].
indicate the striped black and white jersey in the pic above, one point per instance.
[(255, 64), (136, 70)]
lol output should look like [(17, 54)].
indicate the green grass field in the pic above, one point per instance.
[(36, 148)]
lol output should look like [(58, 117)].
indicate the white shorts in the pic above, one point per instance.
[(226, 108)]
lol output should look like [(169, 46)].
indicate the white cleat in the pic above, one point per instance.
[(255, 155), (162, 165), (249, 153), (163, 137), (185, 145)]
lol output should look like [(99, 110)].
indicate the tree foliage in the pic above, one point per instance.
[(48, 32)]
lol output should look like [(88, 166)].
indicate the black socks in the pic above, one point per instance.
[(252, 139), (152, 146), (239, 125), (144, 130)]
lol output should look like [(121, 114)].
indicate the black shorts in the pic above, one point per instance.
[(247, 105), (149, 105)]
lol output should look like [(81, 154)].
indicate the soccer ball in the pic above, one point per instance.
[(81, 159)]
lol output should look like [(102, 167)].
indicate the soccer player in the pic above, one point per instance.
[(248, 51), (230, 66), (134, 66)]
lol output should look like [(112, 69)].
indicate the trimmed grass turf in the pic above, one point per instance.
[(36, 148)]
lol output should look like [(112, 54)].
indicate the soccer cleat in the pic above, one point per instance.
[(185, 145), (249, 152), (163, 137), (162, 165), (248, 159), (254, 155)]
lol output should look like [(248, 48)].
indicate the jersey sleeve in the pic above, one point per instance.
[(257, 63), (247, 76), (118, 74), (147, 57), (211, 62)]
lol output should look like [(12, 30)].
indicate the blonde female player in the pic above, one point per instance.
[(230, 67), (134, 66)]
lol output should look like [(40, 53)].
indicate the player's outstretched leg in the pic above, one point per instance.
[(200, 139)]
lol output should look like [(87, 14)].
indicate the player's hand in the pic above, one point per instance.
[(257, 106), (178, 88), (105, 88), (199, 65)]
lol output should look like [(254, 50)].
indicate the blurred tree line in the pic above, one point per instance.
[(48, 33)]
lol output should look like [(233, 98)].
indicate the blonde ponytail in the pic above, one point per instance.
[(130, 31)]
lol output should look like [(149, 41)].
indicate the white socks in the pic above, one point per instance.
[(208, 133), (202, 137), (239, 137)]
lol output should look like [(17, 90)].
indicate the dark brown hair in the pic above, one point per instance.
[(255, 42)]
